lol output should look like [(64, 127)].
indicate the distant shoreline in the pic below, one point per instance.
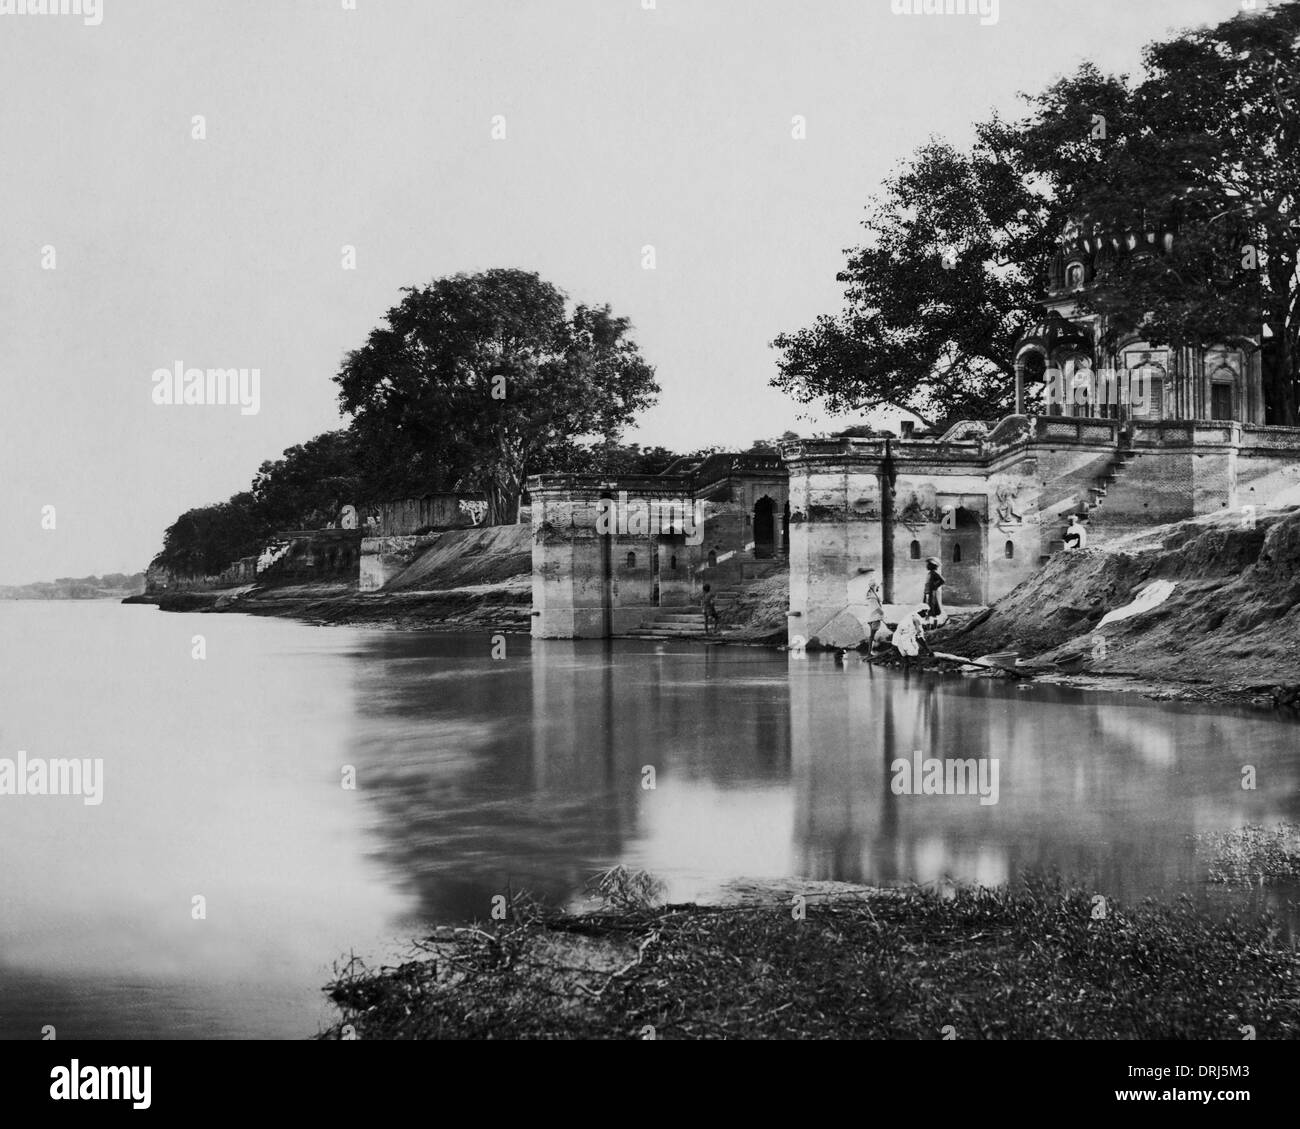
[(118, 595), (507, 607)]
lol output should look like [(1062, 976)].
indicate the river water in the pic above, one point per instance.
[(223, 780)]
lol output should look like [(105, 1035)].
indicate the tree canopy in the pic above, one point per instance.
[(486, 372), (203, 541), (958, 244), (472, 383)]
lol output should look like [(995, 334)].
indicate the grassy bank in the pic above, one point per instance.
[(1035, 963)]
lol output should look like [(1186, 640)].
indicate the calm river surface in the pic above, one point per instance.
[(222, 778)]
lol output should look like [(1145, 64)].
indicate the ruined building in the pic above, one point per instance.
[(1125, 436), (613, 556)]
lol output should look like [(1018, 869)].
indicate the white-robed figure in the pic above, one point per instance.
[(1076, 536), (908, 635)]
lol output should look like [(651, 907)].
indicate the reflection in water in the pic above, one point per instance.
[(527, 773), (1107, 790), (477, 777)]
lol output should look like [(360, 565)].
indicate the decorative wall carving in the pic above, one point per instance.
[(1007, 494)]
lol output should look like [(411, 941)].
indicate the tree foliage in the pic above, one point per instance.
[(312, 482), (1215, 143), (203, 541), (935, 297), (957, 245), (426, 418), (486, 372)]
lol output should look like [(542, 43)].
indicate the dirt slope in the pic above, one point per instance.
[(1233, 617), (468, 557)]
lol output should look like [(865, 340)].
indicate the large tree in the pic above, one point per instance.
[(958, 243), (934, 298), (485, 372), (1213, 144)]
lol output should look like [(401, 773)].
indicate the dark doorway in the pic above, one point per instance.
[(606, 582), (1221, 401), (963, 548), (765, 529)]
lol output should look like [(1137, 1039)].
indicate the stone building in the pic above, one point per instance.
[(992, 505), (1067, 349), (611, 555), (1126, 437)]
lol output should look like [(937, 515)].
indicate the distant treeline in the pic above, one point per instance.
[(111, 584), (313, 481), (469, 384)]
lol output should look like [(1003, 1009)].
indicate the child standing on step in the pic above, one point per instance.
[(710, 610)]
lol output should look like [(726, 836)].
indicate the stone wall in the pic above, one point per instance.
[(160, 579), (306, 555), (408, 517), (594, 583), (382, 558), (1268, 466), (992, 510)]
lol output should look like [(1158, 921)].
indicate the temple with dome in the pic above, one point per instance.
[(1220, 382)]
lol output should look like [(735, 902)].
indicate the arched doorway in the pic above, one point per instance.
[(961, 556), (764, 529)]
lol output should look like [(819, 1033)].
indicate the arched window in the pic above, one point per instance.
[(1010, 550), (713, 557), (631, 560), (672, 563), (1145, 386), (915, 551), (956, 554)]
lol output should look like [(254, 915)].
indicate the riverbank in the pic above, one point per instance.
[(504, 606), (1226, 628), (1204, 610), (827, 960)]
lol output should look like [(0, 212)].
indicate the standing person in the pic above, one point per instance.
[(710, 609), (933, 583), (874, 602)]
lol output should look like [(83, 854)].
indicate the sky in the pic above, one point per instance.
[(369, 124)]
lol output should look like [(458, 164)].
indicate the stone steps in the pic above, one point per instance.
[(1105, 483), (674, 623), (688, 621)]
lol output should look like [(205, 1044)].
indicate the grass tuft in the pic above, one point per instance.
[(1030, 963)]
